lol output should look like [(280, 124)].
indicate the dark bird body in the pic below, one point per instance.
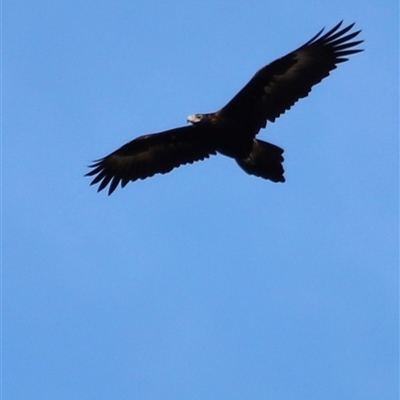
[(231, 131)]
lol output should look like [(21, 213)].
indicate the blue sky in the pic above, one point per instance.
[(205, 283)]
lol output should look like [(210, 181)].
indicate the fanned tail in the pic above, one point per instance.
[(265, 161)]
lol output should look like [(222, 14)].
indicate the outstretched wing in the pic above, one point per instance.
[(277, 86), (151, 154)]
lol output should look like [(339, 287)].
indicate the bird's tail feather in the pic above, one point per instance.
[(265, 161)]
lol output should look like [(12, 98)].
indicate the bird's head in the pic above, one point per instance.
[(195, 118)]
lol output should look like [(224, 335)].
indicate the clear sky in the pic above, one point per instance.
[(205, 283)]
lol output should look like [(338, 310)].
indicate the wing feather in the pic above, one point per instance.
[(277, 86), (151, 154)]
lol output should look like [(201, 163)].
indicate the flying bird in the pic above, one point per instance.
[(232, 130)]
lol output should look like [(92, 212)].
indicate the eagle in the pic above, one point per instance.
[(232, 130)]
